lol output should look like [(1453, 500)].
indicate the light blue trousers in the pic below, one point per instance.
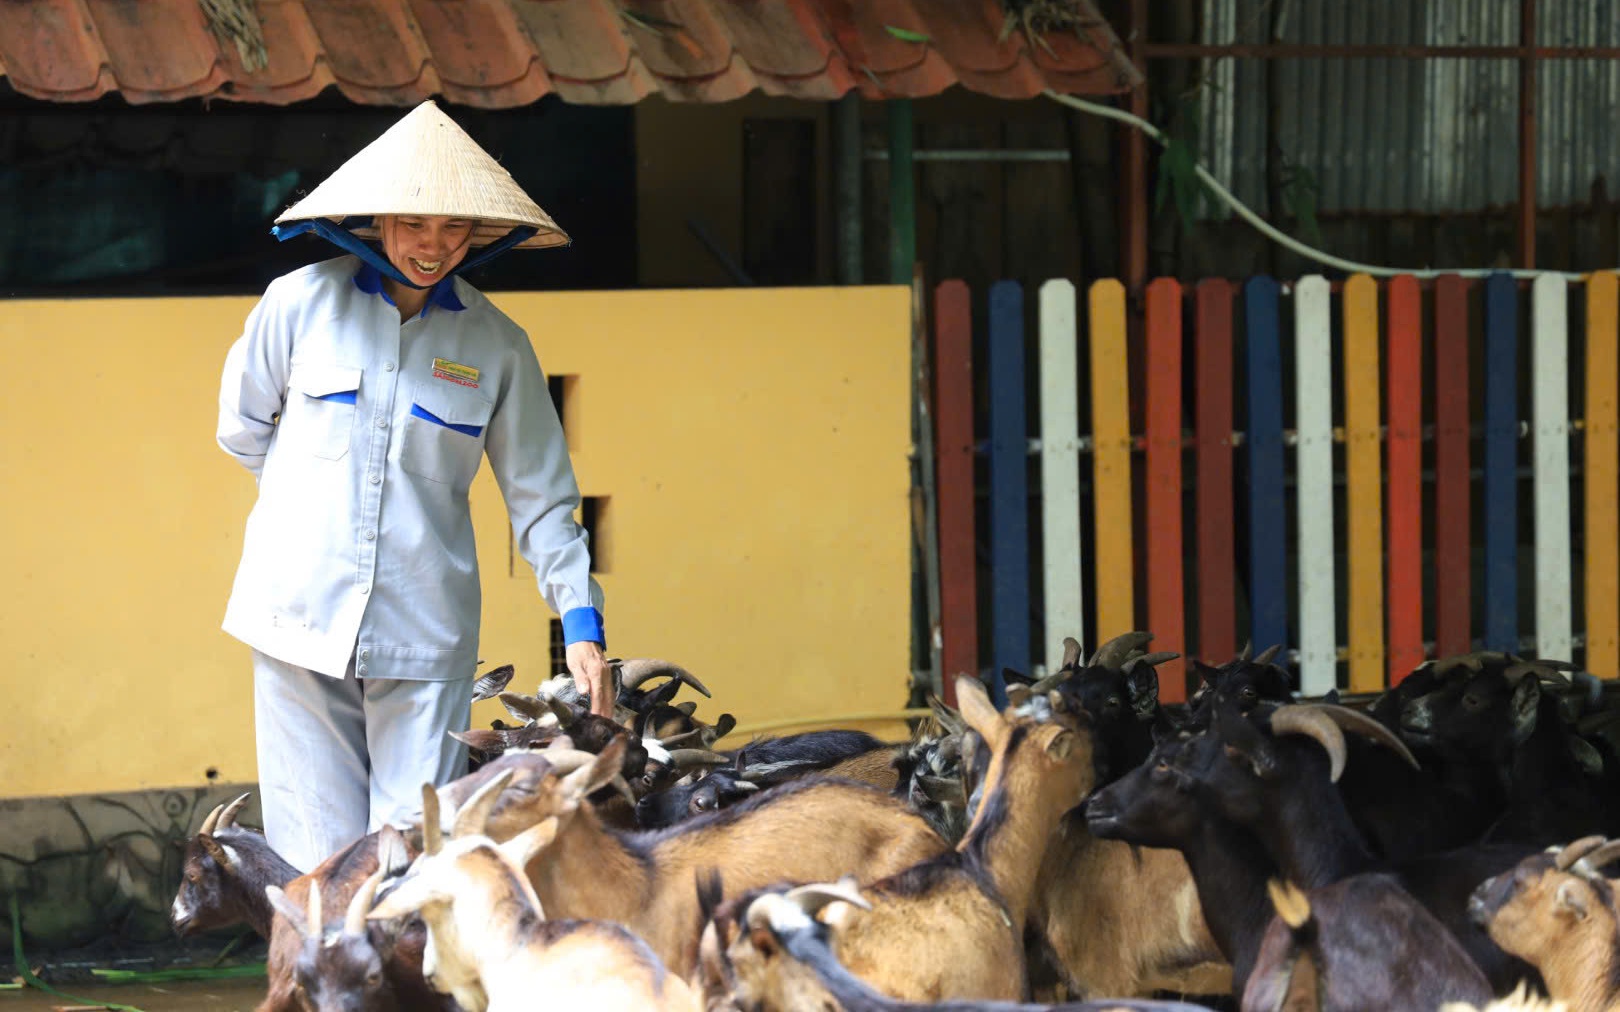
[(340, 757)]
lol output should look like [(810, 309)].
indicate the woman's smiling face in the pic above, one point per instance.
[(425, 247)]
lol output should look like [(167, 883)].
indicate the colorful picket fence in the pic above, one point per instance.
[(1372, 367)]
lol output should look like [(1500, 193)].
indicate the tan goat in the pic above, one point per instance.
[(952, 926), (490, 945), (811, 829), (1557, 912)]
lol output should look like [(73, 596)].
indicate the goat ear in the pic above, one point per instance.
[(1572, 898), (1526, 699), (1061, 744), (523, 847), (687, 706), (412, 894), (973, 702), (525, 708), (1142, 682), (283, 905)]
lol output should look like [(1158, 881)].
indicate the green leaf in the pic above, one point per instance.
[(1300, 194), (907, 35)]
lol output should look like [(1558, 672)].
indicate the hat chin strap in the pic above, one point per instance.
[(338, 234)]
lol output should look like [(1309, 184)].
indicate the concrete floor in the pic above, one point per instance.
[(177, 996)]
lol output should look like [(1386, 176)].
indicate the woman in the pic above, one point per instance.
[(363, 394)]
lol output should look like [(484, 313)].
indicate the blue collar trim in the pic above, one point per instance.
[(339, 234), (443, 295)]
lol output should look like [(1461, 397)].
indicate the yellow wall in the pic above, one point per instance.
[(753, 443)]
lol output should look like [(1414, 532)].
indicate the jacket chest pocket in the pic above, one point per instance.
[(444, 435), (320, 414)]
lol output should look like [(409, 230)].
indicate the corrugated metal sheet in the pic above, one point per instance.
[(1413, 135)]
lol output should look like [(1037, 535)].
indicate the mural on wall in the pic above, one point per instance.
[(100, 867)]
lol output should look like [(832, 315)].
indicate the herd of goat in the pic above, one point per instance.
[(1439, 847)]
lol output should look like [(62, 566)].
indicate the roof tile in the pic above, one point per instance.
[(51, 50), (502, 53)]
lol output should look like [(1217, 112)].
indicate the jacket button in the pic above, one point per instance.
[(371, 535), (375, 479)]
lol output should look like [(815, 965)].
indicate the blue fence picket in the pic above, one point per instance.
[(1268, 522), (1501, 463), (1009, 507)]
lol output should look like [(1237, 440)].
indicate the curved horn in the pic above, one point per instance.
[(470, 817), (317, 922), (682, 738), (524, 707), (636, 672), (566, 715), (1268, 654), (1248, 650), (1568, 855), (1113, 653), (1591, 683), (207, 828), (1313, 723), (811, 898), (567, 760), (1050, 682), (1606, 854), (1359, 723), (1150, 660), (1071, 651), (432, 831), (691, 758), (227, 818), (354, 920)]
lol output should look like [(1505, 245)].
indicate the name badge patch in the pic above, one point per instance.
[(455, 372)]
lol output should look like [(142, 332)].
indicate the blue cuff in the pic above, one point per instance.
[(583, 624)]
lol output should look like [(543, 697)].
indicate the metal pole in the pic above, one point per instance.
[(1527, 137), (1307, 51), (847, 184), (902, 193)]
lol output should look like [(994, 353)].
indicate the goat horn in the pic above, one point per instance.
[(688, 758), (286, 908), (432, 831), (1071, 651), (1113, 653), (472, 815), (317, 923), (567, 760), (1606, 854), (227, 818), (566, 715), (1158, 657), (1367, 727), (1047, 684), (623, 787), (636, 672), (354, 921), (1248, 650), (1567, 856), (681, 739), (811, 898), (1514, 673), (213, 817), (1268, 654), (526, 707), (1591, 683), (1313, 723)]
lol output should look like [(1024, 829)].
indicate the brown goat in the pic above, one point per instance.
[(1117, 919), (324, 956), (952, 926), (811, 829), (223, 875), (1556, 911)]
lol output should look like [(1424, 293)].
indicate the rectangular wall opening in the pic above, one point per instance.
[(596, 517)]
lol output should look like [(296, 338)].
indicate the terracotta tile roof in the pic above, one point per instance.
[(501, 53)]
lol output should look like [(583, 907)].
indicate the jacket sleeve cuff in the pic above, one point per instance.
[(583, 624)]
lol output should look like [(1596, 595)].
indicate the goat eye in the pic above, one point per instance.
[(1248, 692), (700, 803), (1113, 702), (1472, 702)]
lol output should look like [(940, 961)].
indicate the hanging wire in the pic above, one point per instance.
[(1282, 238)]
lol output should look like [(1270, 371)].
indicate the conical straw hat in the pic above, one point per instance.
[(425, 164)]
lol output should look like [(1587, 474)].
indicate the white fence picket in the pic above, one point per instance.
[(1549, 362), (1313, 397), (1060, 468)]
